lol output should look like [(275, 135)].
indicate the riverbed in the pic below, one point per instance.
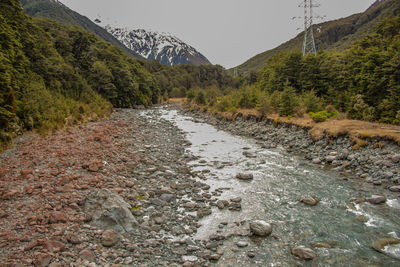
[(343, 225)]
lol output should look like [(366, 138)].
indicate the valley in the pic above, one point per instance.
[(118, 192)]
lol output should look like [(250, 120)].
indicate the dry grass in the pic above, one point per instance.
[(176, 100)]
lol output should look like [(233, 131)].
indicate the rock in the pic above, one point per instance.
[(260, 228), (396, 158), (168, 197), (395, 188), (109, 238), (43, 259), (374, 199), (330, 159), (379, 245), (304, 253), (236, 199), (87, 255), (73, 239), (309, 201), (110, 211), (165, 190), (242, 244), (244, 176), (57, 217), (316, 161), (251, 254), (220, 204), (249, 154), (189, 258), (53, 246)]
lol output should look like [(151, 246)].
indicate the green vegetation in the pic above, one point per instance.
[(332, 35), (52, 76), (65, 16), (362, 81)]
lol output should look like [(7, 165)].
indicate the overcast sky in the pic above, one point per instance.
[(227, 32)]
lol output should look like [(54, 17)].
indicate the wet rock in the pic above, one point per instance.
[(244, 176), (110, 211), (395, 188), (374, 199), (251, 254), (242, 244), (379, 245), (249, 154), (304, 253), (330, 159), (236, 199), (221, 204), (109, 238), (260, 228), (309, 201), (165, 190), (88, 255)]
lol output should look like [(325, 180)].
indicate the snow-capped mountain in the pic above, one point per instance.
[(165, 48)]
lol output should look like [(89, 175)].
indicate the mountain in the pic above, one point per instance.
[(54, 9), (165, 48), (336, 34)]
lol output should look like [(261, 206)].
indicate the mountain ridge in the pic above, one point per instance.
[(163, 47), (336, 34), (56, 10)]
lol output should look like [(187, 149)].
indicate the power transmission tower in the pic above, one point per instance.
[(235, 72), (309, 42)]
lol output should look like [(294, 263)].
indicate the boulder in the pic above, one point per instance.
[(309, 201), (109, 238), (110, 211), (260, 228), (304, 253), (395, 188), (374, 199), (244, 176)]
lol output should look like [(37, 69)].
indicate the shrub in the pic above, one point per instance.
[(200, 98), (288, 101), (320, 116), (311, 101)]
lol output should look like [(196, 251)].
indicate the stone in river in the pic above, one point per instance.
[(260, 228), (374, 199), (309, 201), (244, 176), (242, 244), (304, 253)]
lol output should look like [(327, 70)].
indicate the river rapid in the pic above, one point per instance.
[(339, 228)]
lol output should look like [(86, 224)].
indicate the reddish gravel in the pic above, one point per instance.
[(44, 183)]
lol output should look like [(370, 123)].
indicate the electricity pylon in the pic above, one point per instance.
[(309, 42)]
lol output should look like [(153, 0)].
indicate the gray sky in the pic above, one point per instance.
[(227, 32)]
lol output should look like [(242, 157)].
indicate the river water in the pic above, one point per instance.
[(280, 181)]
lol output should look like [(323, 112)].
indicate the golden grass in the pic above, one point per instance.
[(176, 100)]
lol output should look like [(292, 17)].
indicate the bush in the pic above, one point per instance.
[(200, 98), (300, 111), (288, 101), (320, 116), (311, 101)]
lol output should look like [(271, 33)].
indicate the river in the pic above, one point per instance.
[(280, 181)]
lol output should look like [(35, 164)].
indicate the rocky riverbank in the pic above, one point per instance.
[(375, 161), (111, 193)]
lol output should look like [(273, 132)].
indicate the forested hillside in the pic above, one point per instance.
[(53, 75), (337, 35), (62, 14), (363, 81)]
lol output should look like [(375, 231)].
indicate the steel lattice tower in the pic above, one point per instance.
[(309, 42)]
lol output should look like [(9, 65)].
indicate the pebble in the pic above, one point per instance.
[(260, 228)]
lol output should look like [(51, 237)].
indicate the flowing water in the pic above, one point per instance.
[(280, 181)]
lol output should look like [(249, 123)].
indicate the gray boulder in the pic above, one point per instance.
[(260, 228), (304, 253), (110, 211)]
